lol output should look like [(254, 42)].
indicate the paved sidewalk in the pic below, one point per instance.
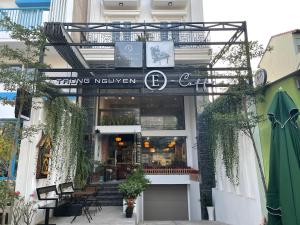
[(110, 215), (181, 223)]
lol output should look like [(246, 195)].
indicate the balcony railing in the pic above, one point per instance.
[(170, 171), (27, 17), (162, 32), (118, 117)]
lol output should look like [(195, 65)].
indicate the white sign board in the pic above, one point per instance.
[(160, 54)]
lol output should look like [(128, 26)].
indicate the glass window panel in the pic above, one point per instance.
[(167, 152), (165, 113), (118, 111)]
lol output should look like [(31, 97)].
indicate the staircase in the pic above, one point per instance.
[(108, 194)]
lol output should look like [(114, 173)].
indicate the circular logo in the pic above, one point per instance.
[(129, 47), (155, 80)]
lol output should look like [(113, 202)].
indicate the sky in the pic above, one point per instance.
[(264, 18)]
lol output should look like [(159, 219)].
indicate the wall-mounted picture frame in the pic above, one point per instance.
[(129, 54), (43, 161), (160, 54)]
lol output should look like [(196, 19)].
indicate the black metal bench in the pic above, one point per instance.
[(51, 202), (61, 206), (66, 190)]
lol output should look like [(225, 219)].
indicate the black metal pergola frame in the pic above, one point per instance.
[(59, 36)]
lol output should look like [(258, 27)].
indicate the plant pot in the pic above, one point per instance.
[(130, 202), (211, 213), (129, 212)]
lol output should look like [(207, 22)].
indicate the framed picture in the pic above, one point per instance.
[(160, 54), (129, 54), (44, 148)]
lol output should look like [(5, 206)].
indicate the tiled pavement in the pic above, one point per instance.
[(112, 215), (181, 223)]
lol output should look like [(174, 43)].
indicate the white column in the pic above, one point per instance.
[(196, 10), (58, 10)]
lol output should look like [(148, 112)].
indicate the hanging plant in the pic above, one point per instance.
[(223, 130), (64, 124)]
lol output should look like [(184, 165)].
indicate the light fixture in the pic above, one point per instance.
[(170, 3), (132, 98), (171, 144), (121, 4), (118, 139), (121, 143), (119, 98), (146, 144), (166, 149), (152, 150)]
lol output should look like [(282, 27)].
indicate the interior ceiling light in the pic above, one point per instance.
[(118, 139), (170, 3), (121, 3), (121, 143), (152, 150)]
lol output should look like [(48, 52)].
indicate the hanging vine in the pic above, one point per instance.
[(223, 130), (234, 113), (64, 124)]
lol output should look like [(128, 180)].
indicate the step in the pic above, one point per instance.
[(100, 198), (108, 188), (111, 203), (109, 194)]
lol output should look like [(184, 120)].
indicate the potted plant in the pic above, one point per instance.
[(134, 185), (207, 202)]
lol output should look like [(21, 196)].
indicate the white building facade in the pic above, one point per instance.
[(140, 112), (158, 132)]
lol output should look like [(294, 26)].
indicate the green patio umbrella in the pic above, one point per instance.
[(283, 195)]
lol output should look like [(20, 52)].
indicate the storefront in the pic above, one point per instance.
[(142, 101)]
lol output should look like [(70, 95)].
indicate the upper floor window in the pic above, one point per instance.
[(297, 44), (165, 113), (118, 111)]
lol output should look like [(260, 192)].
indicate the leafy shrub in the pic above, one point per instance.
[(135, 184)]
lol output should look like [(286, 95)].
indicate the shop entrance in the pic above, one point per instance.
[(118, 154)]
